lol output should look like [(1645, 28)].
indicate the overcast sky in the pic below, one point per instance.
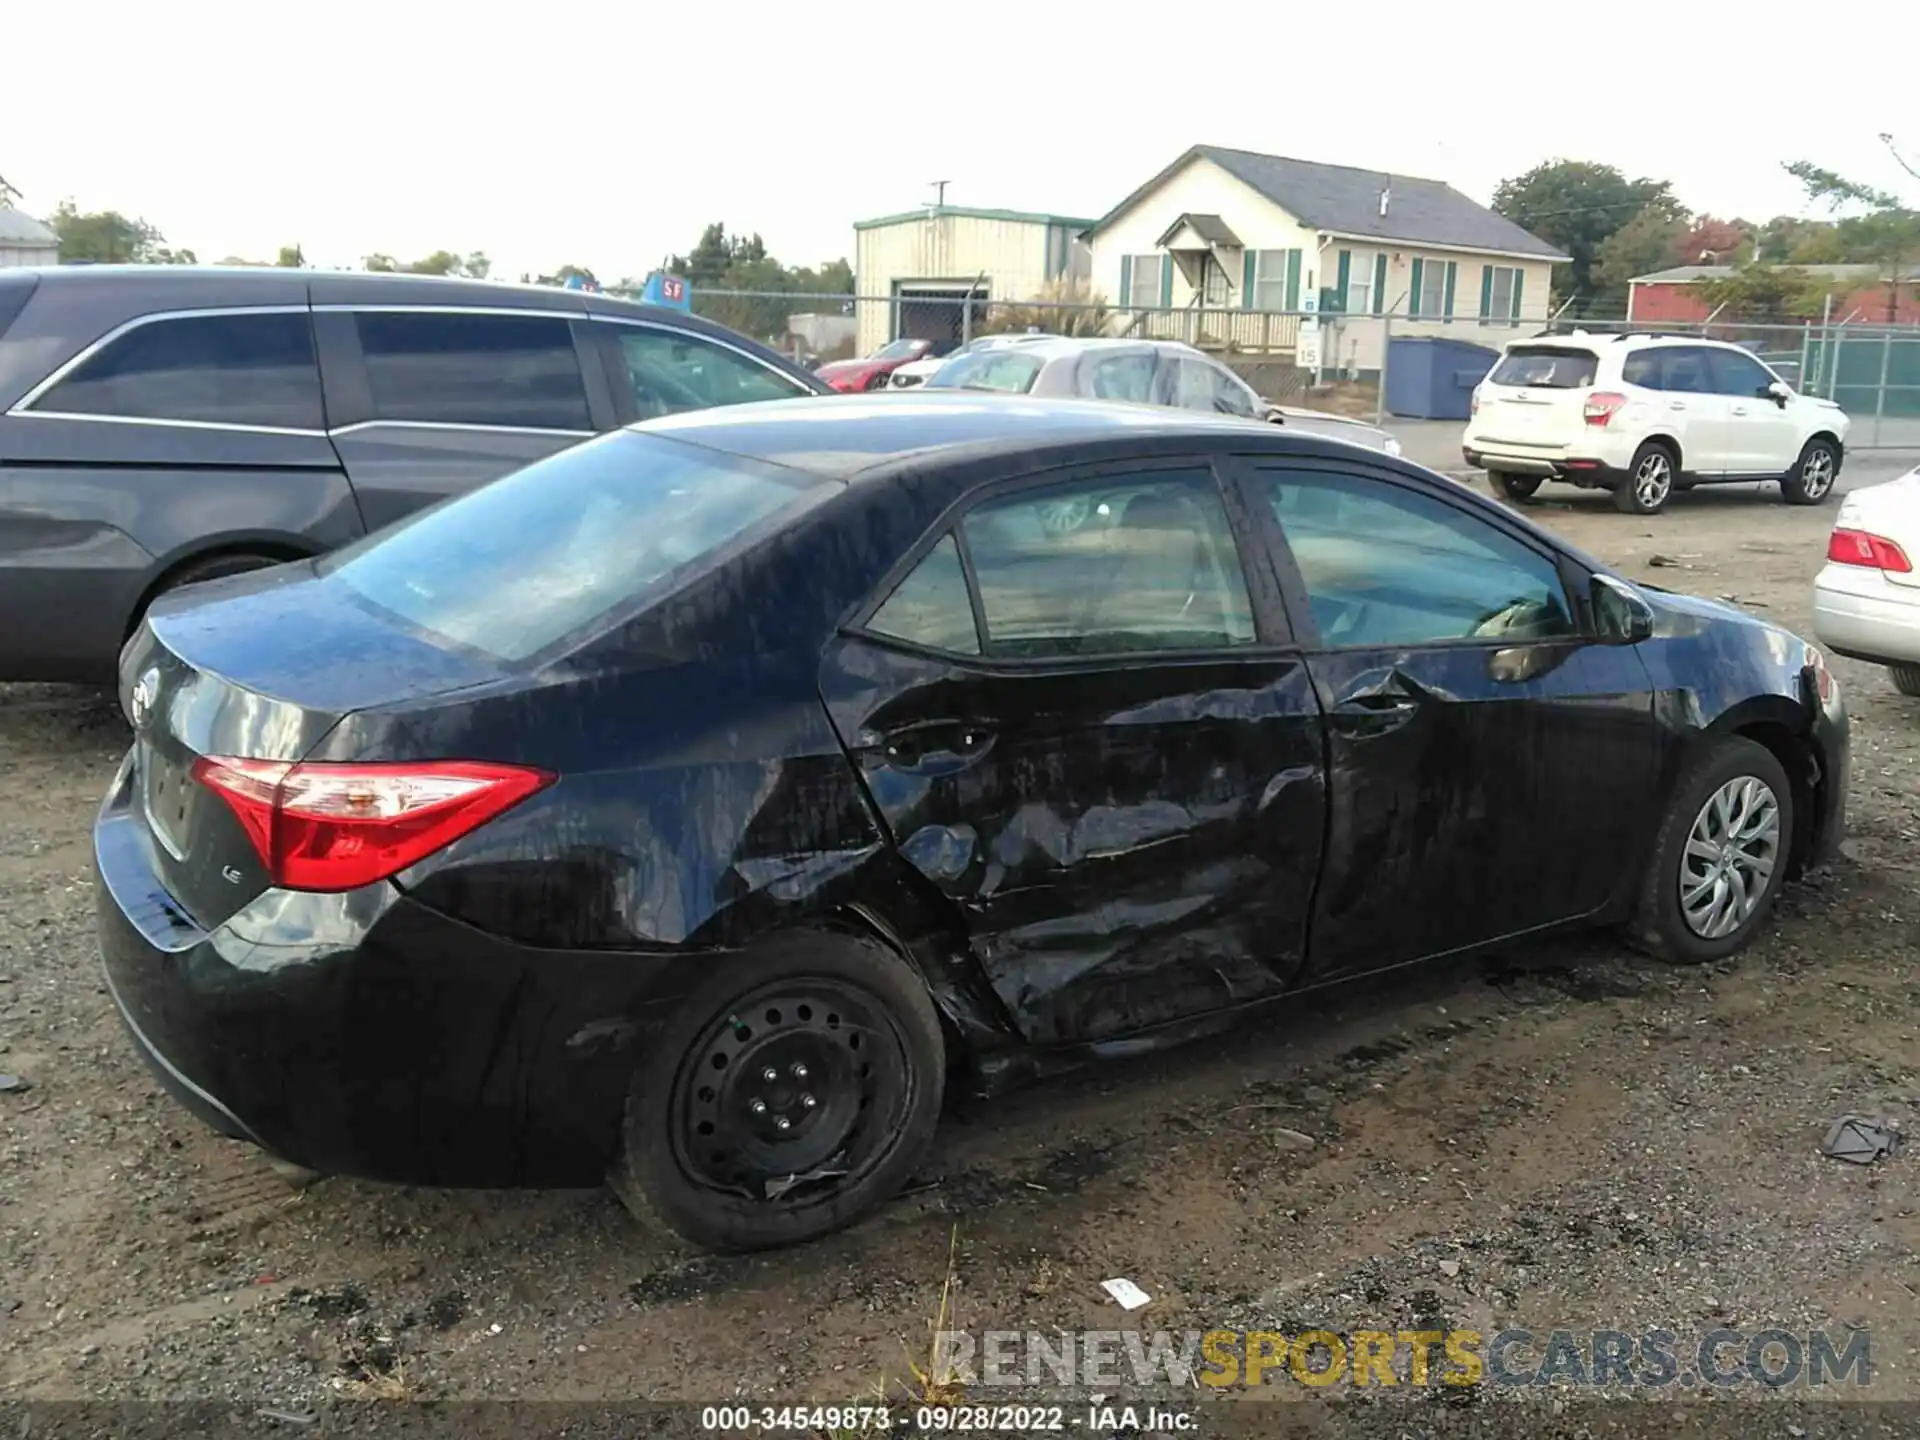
[(608, 134)]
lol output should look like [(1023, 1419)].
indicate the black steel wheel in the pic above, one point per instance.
[(1509, 486), (790, 1095)]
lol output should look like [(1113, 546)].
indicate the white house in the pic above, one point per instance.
[(915, 272), (25, 241), (1229, 247)]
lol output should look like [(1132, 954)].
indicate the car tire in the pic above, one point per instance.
[(212, 567), (1906, 678), (1675, 919), (1512, 487), (1811, 479), (1651, 478), (698, 1136)]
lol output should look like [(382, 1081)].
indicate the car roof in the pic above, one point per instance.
[(1600, 344), (846, 436)]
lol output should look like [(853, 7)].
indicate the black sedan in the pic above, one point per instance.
[(692, 807)]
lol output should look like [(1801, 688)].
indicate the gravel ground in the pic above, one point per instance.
[(1570, 1137)]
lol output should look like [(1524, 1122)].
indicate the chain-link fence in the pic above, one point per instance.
[(1386, 366)]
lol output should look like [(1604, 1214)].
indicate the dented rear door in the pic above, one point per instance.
[(1131, 839)]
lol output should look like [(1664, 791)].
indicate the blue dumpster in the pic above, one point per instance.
[(1433, 379)]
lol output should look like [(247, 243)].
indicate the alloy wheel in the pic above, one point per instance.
[(1816, 473), (1730, 857), (795, 1092), (1653, 480)]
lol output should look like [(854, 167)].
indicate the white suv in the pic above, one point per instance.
[(1645, 415)]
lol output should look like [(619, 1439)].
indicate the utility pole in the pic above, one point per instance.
[(939, 194), (7, 193)]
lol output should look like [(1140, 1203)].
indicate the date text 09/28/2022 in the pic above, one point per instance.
[(947, 1419)]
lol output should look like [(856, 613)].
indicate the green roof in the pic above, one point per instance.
[(933, 212)]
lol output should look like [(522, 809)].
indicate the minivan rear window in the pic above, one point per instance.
[(1546, 367), (519, 565)]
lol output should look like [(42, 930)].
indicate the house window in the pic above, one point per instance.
[(1143, 288), (1433, 288), (1216, 289), (1270, 280), (1359, 284), (1503, 293)]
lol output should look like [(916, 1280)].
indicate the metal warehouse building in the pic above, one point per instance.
[(916, 271), (25, 241)]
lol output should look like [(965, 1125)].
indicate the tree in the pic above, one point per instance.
[(1064, 306), (566, 273), (474, 266), (291, 258), (1648, 242), (380, 264), (1577, 207), (106, 237), (1708, 241), (1763, 293), (1887, 236)]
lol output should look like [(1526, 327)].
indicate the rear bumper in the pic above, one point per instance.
[(1865, 617), (1584, 471), (365, 1034)]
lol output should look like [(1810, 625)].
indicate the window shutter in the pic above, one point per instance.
[(1166, 280), (1413, 294), (1247, 262), (1346, 273), (1446, 300), (1293, 279), (1126, 281), (1518, 275), (1486, 293), (1380, 283)]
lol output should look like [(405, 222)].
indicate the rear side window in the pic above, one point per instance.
[(458, 369), (671, 371), (221, 369), (1121, 377), (1543, 367), (518, 565), (931, 606), (15, 290)]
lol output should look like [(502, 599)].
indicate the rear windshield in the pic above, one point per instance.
[(995, 368), (1544, 367), (516, 566)]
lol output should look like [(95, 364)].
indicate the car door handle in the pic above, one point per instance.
[(1378, 703), (930, 748), (1676, 405), (1739, 409)]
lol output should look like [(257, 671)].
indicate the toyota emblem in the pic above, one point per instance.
[(140, 703)]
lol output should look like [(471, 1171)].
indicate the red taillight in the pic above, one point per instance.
[(1602, 406), (340, 826), (1858, 547), (1473, 405)]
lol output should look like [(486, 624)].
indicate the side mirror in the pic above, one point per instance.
[(1621, 614), (1777, 391)]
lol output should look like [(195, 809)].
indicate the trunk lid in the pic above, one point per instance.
[(259, 667), (1891, 511)]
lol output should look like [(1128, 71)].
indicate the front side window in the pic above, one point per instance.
[(931, 606), (1737, 374), (515, 566), (1387, 567), (1200, 386), (1115, 564), (1003, 370), (672, 371), (451, 368), (255, 370)]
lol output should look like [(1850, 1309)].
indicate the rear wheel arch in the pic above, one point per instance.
[(182, 569), (1671, 445)]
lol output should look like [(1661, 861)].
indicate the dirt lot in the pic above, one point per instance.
[(1575, 1137)]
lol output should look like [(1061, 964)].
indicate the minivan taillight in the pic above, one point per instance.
[(1602, 406), (329, 826), (1859, 547)]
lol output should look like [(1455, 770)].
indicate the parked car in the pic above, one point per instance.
[(1145, 372), (1866, 600), (1646, 415), (870, 372), (162, 425), (681, 808), (918, 372)]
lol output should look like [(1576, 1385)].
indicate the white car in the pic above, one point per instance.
[(918, 372), (1645, 415), (1140, 372), (1866, 601)]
